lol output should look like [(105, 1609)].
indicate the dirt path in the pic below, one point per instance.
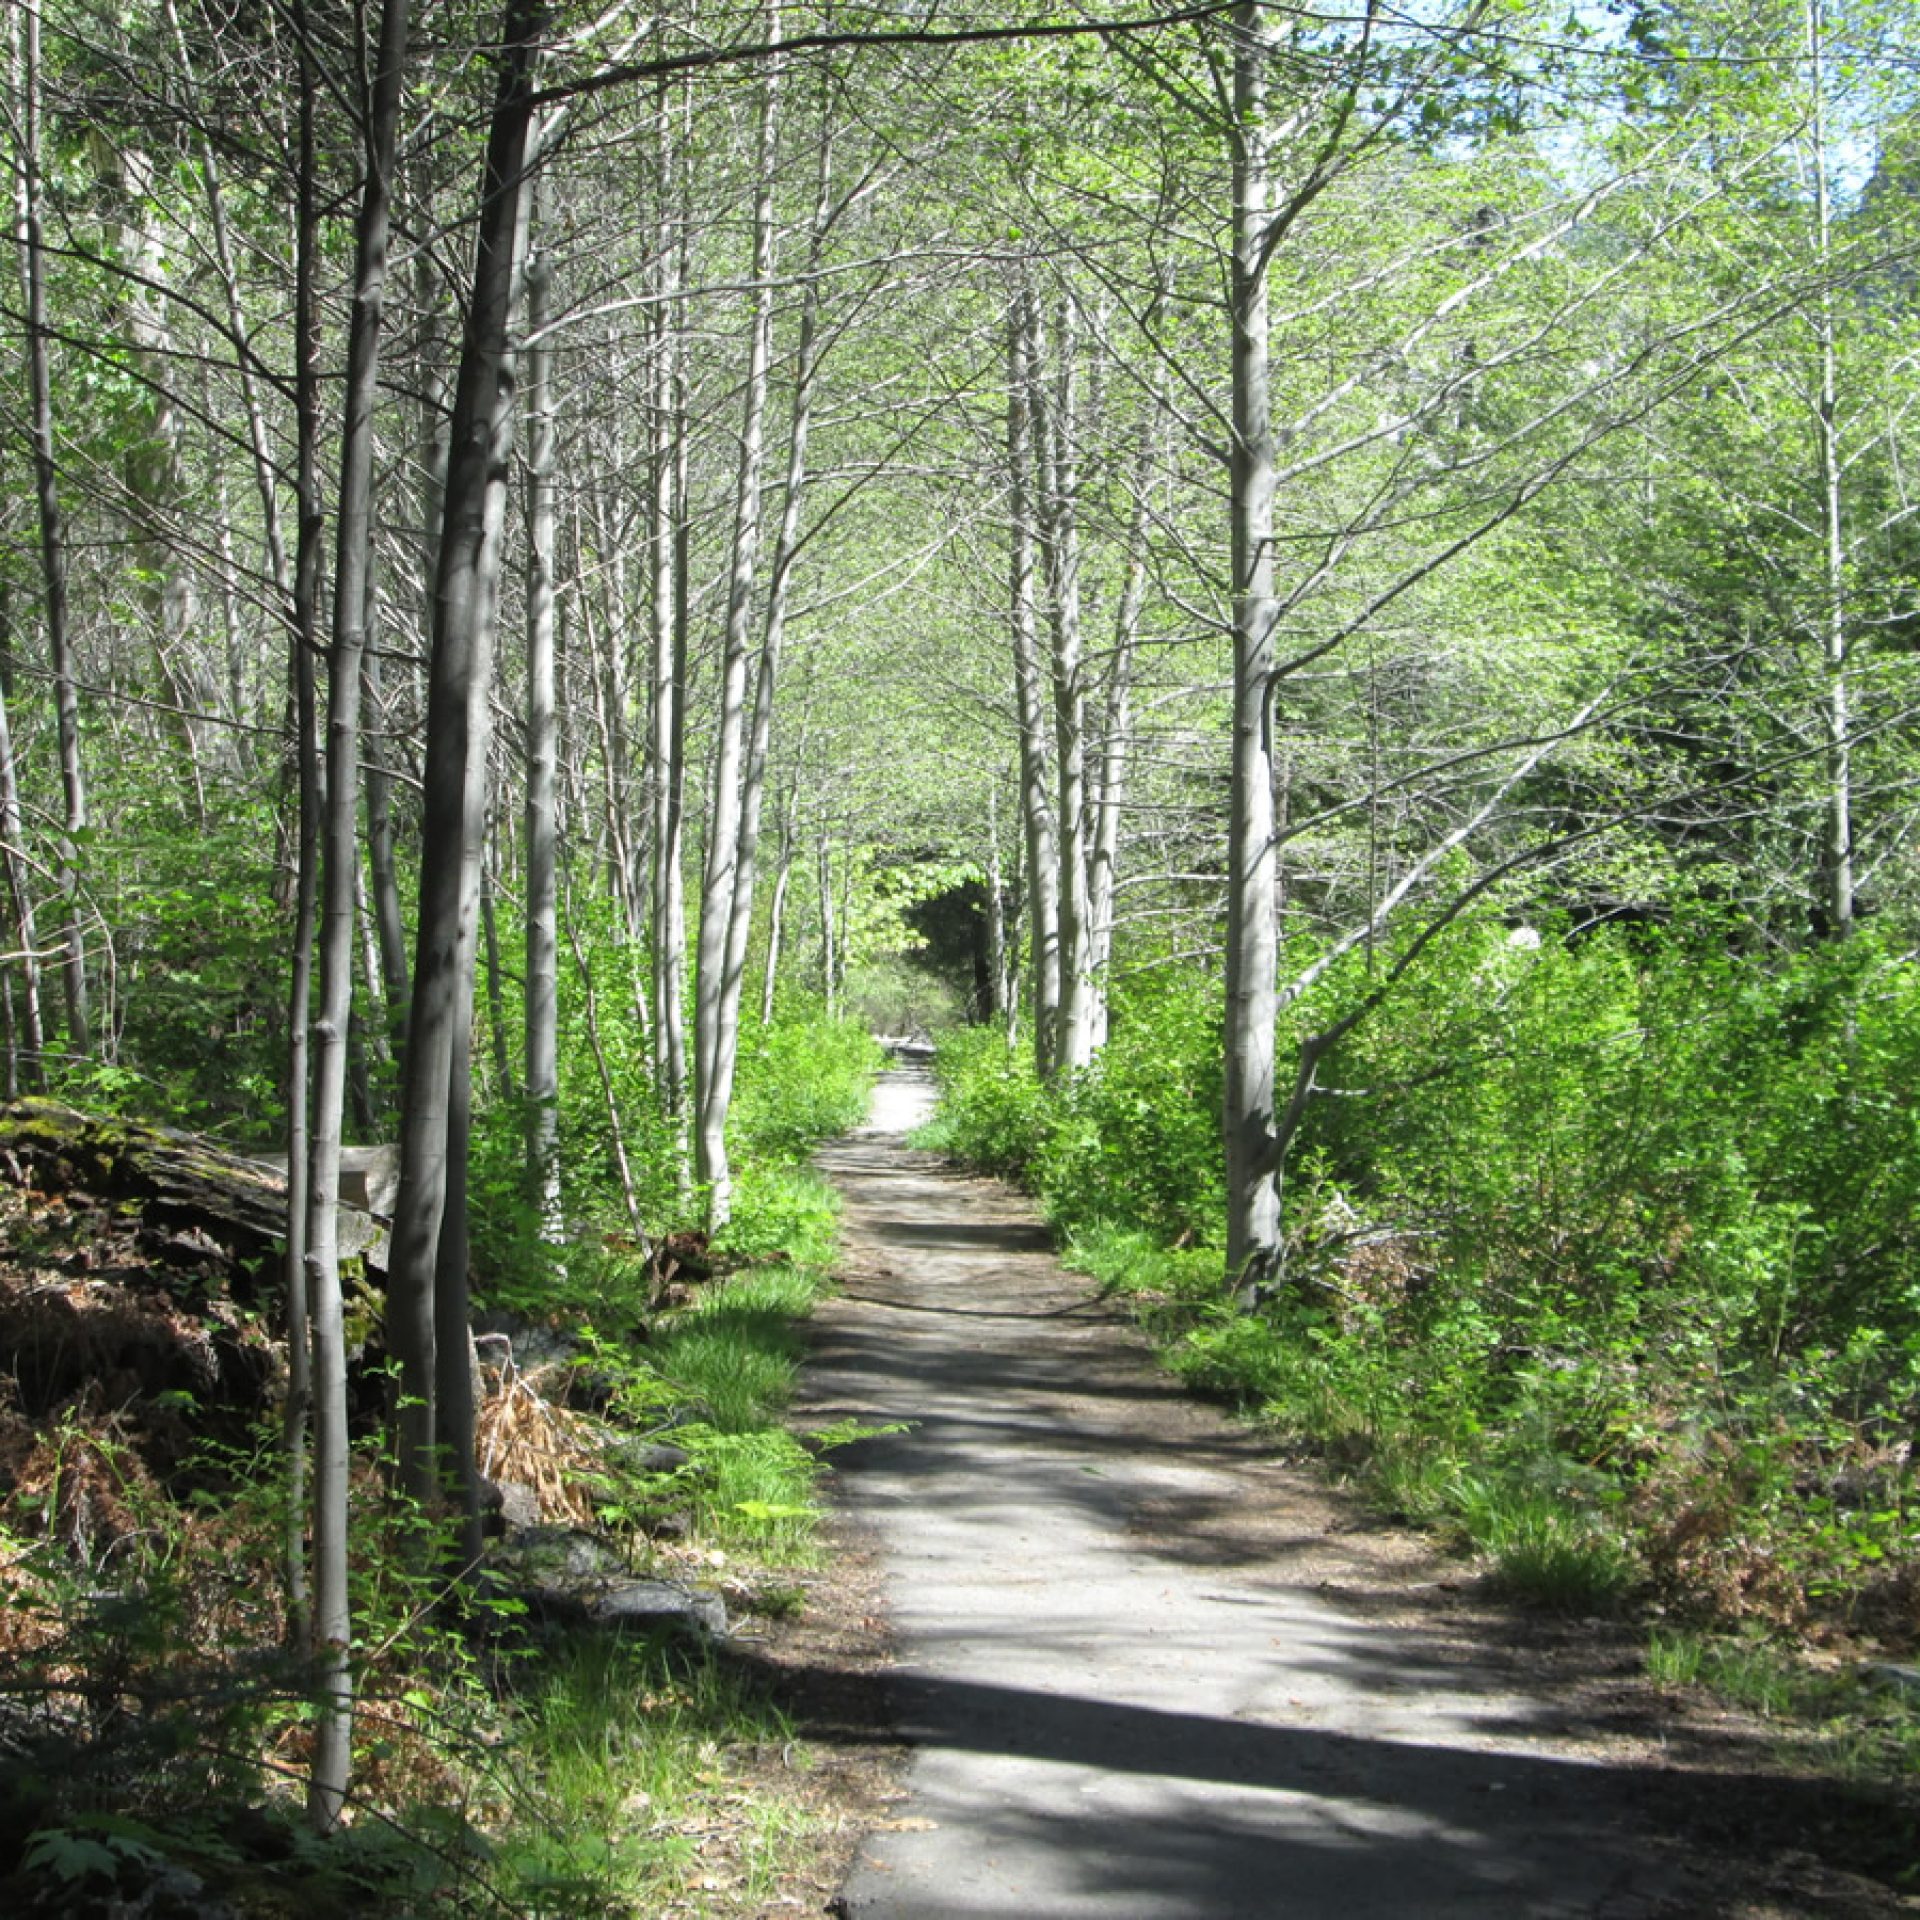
[(1147, 1671)]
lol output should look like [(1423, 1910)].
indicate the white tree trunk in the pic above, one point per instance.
[(766, 681), (1253, 1199), (1056, 413), (713, 1042), (53, 530), (26, 1062), (667, 684), (1036, 805), (1835, 640), (333, 1631), (542, 985)]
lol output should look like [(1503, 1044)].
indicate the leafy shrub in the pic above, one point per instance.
[(1624, 1233), (993, 1110), (1137, 1138), (800, 1081)]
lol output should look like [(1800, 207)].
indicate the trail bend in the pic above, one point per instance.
[(1146, 1671)]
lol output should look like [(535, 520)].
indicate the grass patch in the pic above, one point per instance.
[(1860, 1722), (1543, 1550), (620, 1752)]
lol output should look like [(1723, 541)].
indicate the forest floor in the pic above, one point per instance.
[(1143, 1668)]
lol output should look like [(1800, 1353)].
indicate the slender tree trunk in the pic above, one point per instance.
[(542, 989), (53, 530), (1117, 724), (159, 484), (667, 678), (609, 667), (997, 955), (370, 988), (766, 681), (713, 1044), (1036, 805), (777, 912), (1013, 901), (616, 1130), (1060, 547), (382, 871), (233, 623), (496, 992), (24, 1059), (353, 535), (258, 443), (1836, 720), (459, 721), (303, 639), (1252, 1006), (829, 945)]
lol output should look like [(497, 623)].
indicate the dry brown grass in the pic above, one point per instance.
[(526, 1438)]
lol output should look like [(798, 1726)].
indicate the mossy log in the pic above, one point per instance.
[(184, 1186)]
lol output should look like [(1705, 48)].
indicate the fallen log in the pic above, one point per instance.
[(188, 1190)]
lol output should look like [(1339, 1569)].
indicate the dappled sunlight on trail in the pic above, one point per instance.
[(1137, 1663)]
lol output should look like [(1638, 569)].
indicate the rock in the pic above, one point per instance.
[(634, 1455), (517, 1504), (565, 1577), (557, 1558), (1888, 1673), (648, 1604), (370, 1178)]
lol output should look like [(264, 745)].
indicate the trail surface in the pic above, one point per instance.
[(1146, 1671)]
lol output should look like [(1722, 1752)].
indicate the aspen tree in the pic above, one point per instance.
[(353, 547)]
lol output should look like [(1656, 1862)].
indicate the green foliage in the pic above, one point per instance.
[(1131, 1142), (992, 1108), (198, 995), (1137, 1142), (800, 1081), (617, 1752), (1605, 1253)]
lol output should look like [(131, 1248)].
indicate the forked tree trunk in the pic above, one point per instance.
[(459, 721)]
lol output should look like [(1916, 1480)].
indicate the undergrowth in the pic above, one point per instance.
[(1603, 1258), (154, 1737)]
